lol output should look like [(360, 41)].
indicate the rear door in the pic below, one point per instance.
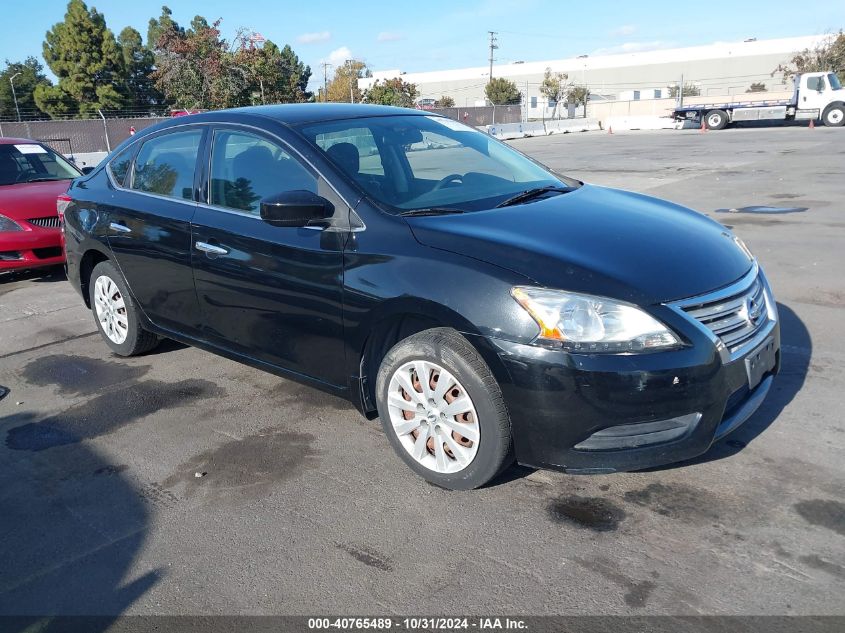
[(271, 293), (150, 225)]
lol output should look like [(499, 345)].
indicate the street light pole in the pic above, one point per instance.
[(14, 96)]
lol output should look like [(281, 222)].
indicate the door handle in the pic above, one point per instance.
[(211, 249), (120, 228)]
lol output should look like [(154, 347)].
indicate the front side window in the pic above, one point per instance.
[(246, 168), (165, 164), (32, 162), (428, 161), (815, 83)]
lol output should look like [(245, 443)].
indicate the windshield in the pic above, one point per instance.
[(32, 162), (411, 162), (834, 81)]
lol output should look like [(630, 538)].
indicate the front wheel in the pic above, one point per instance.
[(716, 119), (443, 411), (834, 116), (116, 313)]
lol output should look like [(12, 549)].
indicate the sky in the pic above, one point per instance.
[(420, 35)]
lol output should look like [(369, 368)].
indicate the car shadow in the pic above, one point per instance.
[(796, 354), (73, 523)]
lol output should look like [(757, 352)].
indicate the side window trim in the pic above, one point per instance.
[(128, 177), (203, 127)]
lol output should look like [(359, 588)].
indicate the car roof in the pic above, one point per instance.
[(297, 113)]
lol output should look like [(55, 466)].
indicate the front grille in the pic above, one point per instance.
[(735, 318), (51, 222)]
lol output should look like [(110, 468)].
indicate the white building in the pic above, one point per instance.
[(724, 68)]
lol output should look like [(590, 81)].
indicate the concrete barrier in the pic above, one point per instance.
[(509, 131)]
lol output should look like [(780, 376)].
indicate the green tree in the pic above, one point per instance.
[(29, 75), (577, 95), (828, 55), (501, 91), (83, 53), (344, 85), (690, 90), (554, 86), (138, 61), (393, 92), (273, 75), (445, 102), (159, 25), (757, 86), (195, 69)]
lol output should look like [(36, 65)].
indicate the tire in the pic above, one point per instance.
[(834, 116), (716, 119), (462, 462), (116, 313)]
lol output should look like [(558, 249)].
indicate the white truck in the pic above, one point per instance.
[(816, 96)]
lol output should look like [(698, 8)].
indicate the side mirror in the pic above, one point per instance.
[(87, 170), (295, 208)]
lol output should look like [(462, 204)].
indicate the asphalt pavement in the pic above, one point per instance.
[(183, 483)]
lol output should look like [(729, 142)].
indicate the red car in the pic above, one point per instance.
[(32, 176)]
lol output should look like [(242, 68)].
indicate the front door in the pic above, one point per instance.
[(150, 227), (815, 93), (271, 293)]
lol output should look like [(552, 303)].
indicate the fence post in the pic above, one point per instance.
[(105, 130)]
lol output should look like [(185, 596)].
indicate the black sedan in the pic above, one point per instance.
[(484, 307)]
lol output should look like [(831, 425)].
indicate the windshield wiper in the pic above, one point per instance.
[(530, 194), (431, 211)]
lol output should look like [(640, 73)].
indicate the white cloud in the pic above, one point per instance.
[(339, 55), (311, 38), (388, 36), (624, 31), (633, 47)]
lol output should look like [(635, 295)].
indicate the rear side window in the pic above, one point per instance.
[(119, 165), (165, 164), (246, 168), (815, 83)]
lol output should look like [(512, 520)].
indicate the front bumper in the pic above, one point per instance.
[(31, 249), (584, 413)]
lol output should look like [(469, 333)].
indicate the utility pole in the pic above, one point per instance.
[(14, 96), (493, 46), (326, 81)]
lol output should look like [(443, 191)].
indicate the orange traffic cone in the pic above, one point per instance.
[(610, 129), (703, 128), (812, 124)]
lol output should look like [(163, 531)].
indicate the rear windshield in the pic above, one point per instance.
[(32, 162)]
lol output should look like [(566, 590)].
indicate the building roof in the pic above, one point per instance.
[(718, 50)]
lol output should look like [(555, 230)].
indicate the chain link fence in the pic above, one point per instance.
[(77, 136)]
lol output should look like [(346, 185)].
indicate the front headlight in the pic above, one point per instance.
[(7, 225), (584, 323)]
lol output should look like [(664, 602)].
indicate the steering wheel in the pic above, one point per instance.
[(445, 181)]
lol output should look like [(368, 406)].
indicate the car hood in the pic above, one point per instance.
[(31, 199), (596, 240)]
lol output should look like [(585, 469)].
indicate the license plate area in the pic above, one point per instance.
[(759, 361)]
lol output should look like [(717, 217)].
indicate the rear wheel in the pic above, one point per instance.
[(116, 313), (834, 116), (716, 119), (443, 411)]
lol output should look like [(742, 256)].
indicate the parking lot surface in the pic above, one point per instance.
[(183, 483)]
